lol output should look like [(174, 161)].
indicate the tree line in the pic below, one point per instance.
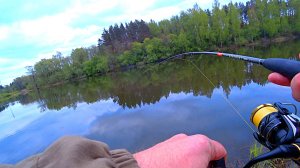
[(138, 42), (149, 84)]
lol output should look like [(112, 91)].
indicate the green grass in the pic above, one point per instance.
[(257, 149), (4, 97)]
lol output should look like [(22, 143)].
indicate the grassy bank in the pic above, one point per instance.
[(4, 97), (257, 149), (270, 41)]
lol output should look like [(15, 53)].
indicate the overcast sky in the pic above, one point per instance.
[(31, 30)]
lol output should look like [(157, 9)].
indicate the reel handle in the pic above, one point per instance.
[(297, 158)]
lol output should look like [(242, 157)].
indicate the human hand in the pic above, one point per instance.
[(79, 152), (194, 151), (284, 81)]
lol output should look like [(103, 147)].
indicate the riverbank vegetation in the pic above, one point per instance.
[(7, 96), (257, 149), (147, 85), (137, 42)]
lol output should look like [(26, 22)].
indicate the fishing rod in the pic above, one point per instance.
[(278, 129), (287, 67)]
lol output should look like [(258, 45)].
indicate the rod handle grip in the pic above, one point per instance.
[(286, 67), (217, 163)]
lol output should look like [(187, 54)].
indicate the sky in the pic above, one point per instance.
[(32, 30)]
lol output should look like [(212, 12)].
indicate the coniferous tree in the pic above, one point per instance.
[(106, 38), (123, 34), (112, 36), (143, 31), (132, 31), (194, 29), (117, 33)]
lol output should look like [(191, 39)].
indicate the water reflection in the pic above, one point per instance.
[(3, 107), (147, 85), (139, 128), (31, 131), (139, 108)]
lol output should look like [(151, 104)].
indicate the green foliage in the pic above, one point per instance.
[(295, 13), (49, 70), (78, 56), (135, 55), (102, 64), (179, 44), (89, 68), (154, 29), (138, 42), (165, 26), (196, 22), (160, 80), (126, 58), (252, 30), (220, 24), (272, 18), (137, 52), (234, 22), (255, 150), (155, 49), (96, 65), (284, 26), (5, 97)]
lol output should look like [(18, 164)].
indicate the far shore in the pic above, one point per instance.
[(5, 97)]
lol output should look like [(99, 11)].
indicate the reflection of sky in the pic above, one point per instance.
[(17, 117), (28, 134), (135, 129)]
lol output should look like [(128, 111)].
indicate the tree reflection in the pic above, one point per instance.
[(3, 107), (149, 84)]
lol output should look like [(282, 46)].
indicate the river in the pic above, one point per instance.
[(141, 107)]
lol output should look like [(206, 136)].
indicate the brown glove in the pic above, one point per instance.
[(78, 152)]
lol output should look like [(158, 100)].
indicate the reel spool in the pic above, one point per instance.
[(278, 130)]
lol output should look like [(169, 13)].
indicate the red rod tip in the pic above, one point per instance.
[(219, 54)]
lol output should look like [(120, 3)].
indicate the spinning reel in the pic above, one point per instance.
[(278, 130)]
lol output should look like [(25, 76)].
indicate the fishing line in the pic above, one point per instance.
[(283, 132), (222, 94), (286, 67)]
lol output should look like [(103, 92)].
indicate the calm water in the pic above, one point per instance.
[(139, 108)]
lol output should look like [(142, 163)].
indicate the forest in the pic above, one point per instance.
[(138, 42)]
